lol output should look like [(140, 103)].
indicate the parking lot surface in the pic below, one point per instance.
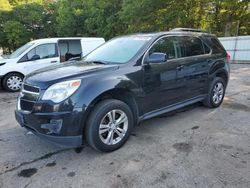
[(194, 147)]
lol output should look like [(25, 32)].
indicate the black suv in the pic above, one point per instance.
[(123, 82)]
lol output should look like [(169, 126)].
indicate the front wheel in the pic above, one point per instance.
[(109, 125), (12, 82), (216, 93)]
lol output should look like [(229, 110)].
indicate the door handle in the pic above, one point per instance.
[(53, 62), (180, 67)]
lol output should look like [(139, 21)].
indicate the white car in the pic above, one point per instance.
[(42, 53)]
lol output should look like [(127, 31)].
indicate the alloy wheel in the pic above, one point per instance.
[(113, 127), (218, 92)]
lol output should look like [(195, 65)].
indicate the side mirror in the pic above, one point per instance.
[(157, 57), (35, 57)]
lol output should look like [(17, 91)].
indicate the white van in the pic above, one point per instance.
[(42, 53)]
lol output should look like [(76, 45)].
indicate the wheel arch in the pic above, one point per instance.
[(219, 69), (4, 76), (222, 74), (117, 93)]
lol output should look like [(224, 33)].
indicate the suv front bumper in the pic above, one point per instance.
[(34, 123), (1, 79)]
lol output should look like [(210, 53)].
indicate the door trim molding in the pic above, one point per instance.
[(172, 107)]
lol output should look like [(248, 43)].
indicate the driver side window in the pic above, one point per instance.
[(43, 51), (31, 54), (167, 45)]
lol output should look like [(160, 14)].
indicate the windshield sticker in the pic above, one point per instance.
[(142, 38)]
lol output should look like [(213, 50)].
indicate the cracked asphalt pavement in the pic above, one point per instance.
[(193, 147)]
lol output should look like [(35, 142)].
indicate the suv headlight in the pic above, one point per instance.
[(61, 91)]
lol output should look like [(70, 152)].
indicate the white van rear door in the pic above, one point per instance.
[(69, 49)]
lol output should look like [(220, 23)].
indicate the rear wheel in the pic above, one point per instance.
[(13, 82), (109, 125), (216, 93)]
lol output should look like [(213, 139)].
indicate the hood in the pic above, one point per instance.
[(6, 60), (66, 71), (3, 60)]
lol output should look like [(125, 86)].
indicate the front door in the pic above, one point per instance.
[(41, 56), (159, 81)]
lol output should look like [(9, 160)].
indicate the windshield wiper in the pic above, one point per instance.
[(99, 62)]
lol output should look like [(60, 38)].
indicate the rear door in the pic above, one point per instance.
[(41, 56), (192, 70), (70, 49)]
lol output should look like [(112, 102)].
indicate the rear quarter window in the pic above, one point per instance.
[(207, 50), (216, 45)]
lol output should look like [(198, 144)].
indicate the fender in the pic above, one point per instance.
[(96, 88), (219, 67)]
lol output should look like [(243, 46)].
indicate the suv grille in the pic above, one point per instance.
[(31, 88), (26, 105), (29, 96)]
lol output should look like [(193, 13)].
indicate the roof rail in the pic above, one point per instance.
[(190, 30)]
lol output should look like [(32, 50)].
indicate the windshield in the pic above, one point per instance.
[(20, 50), (118, 50)]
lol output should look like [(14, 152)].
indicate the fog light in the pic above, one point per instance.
[(54, 126)]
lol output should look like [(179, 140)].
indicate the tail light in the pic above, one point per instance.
[(228, 57)]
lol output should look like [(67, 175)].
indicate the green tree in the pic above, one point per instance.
[(4, 5), (89, 18), (38, 19), (109, 18), (66, 19), (218, 16), (158, 15), (15, 33), (142, 16), (104, 18), (4, 16)]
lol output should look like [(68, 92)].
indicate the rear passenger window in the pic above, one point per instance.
[(192, 46)]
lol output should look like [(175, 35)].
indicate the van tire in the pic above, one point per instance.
[(12, 82)]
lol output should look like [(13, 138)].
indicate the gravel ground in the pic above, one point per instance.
[(195, 147)]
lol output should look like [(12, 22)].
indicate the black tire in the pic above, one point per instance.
[(95, 119), (209, 102), (7, 86)]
